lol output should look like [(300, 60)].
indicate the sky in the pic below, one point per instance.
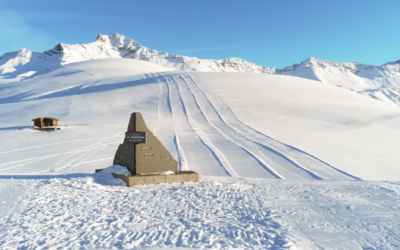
[(269, 33)]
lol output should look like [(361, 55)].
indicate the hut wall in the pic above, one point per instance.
[(47, 122), (38, 122), (44, 122)]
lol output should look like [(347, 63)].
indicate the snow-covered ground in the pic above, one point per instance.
[(79, 211), (285, 162)]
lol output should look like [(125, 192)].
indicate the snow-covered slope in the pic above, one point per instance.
[(265, 145), (239, 124), (15, 66)]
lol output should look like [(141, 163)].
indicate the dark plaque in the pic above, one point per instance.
[(135, 137)]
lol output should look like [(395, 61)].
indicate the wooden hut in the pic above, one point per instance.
[(42, 122)]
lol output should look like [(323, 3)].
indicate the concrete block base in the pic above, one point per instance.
[(179, 176)]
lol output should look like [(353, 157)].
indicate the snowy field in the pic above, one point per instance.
[(285, 162), (79, 211)]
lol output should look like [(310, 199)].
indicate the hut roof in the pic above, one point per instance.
[(50, 118)]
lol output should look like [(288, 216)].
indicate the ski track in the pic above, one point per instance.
[(212, 140), (193, 150), (310, 164), (165, 123), (74, 157), (36, 159), (316, 168), (238, 159), (82, 159), (51, 144)]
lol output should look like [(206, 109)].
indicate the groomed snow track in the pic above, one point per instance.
[(211, 140)]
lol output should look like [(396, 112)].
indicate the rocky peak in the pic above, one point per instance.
[(101, 38), (59, 49)]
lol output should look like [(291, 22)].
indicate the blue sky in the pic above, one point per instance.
[(268, 33)]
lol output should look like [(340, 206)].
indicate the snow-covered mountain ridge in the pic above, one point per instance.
[(379, 82), (17, 64)]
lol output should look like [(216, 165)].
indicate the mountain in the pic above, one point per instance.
[(24, 63), (378, 82)]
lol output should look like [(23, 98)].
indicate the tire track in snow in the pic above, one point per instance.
[(221, 159), (238, 160), (229, 136), (308, 163), (165, 126), (195, 152), (269, 158)]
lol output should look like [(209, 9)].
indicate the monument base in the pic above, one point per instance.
[(179, 176)]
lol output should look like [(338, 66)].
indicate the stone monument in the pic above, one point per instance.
[(146, 157), (141, 151)]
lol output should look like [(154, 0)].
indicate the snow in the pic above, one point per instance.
[(285, 162), (76, 212), (105, 177), (349, 131), (378, 82)]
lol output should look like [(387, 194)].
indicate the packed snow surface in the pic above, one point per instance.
[(285, 162)]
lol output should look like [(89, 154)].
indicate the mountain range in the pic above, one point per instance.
[(378, 82)]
